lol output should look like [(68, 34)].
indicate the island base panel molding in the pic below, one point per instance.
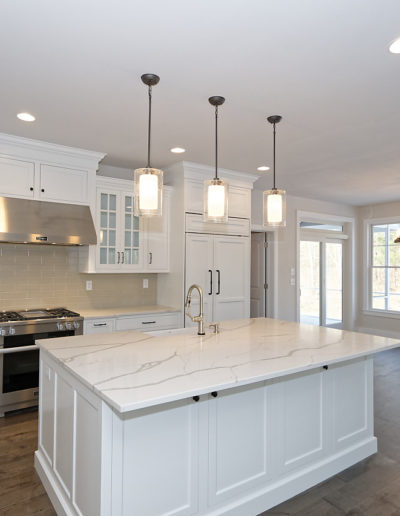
[(238, 453)]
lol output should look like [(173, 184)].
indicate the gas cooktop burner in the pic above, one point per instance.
[(41, 313)]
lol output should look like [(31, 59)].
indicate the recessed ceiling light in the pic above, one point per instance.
[(395, 46), (177, 150), (26, 117), (263, 168)]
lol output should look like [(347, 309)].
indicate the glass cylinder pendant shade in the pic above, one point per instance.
[(148, 192), (274, 208), (215, 200)]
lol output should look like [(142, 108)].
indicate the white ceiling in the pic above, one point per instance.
[(323, 65)]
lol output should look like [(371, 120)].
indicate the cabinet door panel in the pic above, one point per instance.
[(63, 184), (132, 237), (199, 263), (157, 234), (17, 177), (238, 431), (108, 234), (232, 271), (160, 456), (239, 202), (352, 390), (46, 435), (301, 420), (64, 434)]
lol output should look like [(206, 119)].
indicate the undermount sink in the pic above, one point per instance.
[(176, 331)]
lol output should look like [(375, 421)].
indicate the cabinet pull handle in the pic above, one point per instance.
[(196, 398), (325, 367), (31, 188), (100, 324), (219, 282), (210, 292), (148, 322), (119, 255), (214, 394), (150, 258), (123, 256)]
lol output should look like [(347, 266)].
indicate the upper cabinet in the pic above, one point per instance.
[(31, 169), (126, 243)]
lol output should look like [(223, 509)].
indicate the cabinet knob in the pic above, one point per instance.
[(325, 367), (42, 190), (196, 398), (31, 188), (214, 394)]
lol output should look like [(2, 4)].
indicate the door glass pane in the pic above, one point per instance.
[(104, 201), (112, 220), (310, 282), (334, 278), (127, 238), (103, 219), (111, 255), (131, 233), (135, 239), (113, 202), (103, 255), (111, 240)]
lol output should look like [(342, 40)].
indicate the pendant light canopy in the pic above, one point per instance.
[(274, 201), (216, 190), (148, 180)]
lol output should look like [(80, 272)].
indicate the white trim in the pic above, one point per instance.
[(200, 169), (367, 268)]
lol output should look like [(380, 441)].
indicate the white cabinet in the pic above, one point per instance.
[(239, 199), (142, 322), (62, 184), (17, 178), (221, 266), (31, 169), (121, 236), (126, 243)]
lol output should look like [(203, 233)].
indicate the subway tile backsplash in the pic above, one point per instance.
[(33, 276)]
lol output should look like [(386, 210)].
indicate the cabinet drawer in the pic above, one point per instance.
[(148, 322), (98, 326)]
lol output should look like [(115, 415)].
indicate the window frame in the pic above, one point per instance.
[(368, 268)]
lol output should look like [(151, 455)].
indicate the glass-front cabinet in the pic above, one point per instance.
[(121, 235), (127, 243)]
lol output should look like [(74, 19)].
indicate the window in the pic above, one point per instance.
[(322, 227), (385, 268)]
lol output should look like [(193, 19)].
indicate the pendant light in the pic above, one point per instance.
[(274, 201), (148, 180), (397, 240), (216, 190)]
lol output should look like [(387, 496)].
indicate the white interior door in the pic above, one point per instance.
[(258, 276), (199, 270), (232, 271)]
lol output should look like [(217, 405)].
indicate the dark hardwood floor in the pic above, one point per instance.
[(370, 488)]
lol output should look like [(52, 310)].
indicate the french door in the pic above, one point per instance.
[(321, 282)]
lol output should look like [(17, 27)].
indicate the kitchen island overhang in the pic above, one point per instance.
[(270, 422)]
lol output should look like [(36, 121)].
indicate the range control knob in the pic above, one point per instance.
[(11, 330), (60, 326), (76, 325), (68, 326), (2, 332)]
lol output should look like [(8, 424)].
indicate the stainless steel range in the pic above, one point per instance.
[(19, 354)]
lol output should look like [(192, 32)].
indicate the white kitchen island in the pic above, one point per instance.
[(225, 424)]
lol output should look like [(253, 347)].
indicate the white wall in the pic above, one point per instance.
[(286, 243), (387, 326)]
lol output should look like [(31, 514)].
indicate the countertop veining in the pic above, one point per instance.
[(131, 370)]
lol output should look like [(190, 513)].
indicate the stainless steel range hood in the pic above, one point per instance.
[(25, 221)]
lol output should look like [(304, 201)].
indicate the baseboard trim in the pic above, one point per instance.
[(53, 489)]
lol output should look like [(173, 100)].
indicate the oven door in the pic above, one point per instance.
[(19, 367)]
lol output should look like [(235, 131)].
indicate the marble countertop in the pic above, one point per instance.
[(96, 313), (131, 370)]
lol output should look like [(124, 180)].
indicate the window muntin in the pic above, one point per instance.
[(385, 268)]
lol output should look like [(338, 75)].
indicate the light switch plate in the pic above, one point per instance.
[(89, 285), (145, 283)]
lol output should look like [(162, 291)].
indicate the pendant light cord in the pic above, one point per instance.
[(274, 153), (149, 132), (216, 142)]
